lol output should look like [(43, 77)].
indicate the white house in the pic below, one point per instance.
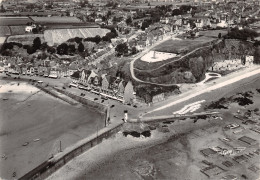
[(30, 28)]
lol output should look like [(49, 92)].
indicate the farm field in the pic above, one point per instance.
[(17, 30), (4, 31), (12, 21), (56, 20), (25, 39), (59, 36)]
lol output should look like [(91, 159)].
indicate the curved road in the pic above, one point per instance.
[(147, 50)]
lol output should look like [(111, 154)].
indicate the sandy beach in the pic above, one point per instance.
[(33, 123)]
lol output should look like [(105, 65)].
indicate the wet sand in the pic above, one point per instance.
[(27, 114)]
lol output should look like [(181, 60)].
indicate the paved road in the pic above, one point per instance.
[(207, 92), (147, 50), (140, 55)]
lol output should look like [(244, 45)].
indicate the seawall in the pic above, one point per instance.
[(84, 100), (50, 166)]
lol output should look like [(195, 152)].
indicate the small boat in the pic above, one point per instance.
[(35, 140), (5, 99), (26, 143)]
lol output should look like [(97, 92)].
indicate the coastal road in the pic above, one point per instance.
[(207, 92)]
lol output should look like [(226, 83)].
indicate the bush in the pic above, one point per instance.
[(37, 43), (257, 55), (81, 47), (243, 34), (31, 50), (62, 49)]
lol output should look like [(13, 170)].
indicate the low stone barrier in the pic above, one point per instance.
[(48, 167), (84, 100), (54, 94)]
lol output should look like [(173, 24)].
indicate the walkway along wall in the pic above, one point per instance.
[(48, 167), (84, 100)]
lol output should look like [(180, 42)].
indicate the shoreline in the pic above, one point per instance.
[(118, 152), (24, 121)]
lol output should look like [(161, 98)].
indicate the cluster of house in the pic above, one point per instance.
[(152, 34), (112, 87), (107, 85), (229, 65), (46, 68)]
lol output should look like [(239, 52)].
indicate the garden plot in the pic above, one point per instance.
[(155, 56)]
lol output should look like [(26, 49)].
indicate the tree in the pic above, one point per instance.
[(192, 12), (71, 49), (7, 46), (51, 50), (113, 30), (121, 49), (176, 12), (114, 20), (62, 49), (134, 50), (111, 35), (145, 25), (128, 21), (37, 43), (197, 67), (2, 9), (257, 55), (81, 47), (31, 50), (83, 3), (109, 14), (78, 40), (106, 38), (219, 35), (97, 39), (35, 30)]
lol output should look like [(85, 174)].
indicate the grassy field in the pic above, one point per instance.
[(213, 33), (183, 46), (4, 31)]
